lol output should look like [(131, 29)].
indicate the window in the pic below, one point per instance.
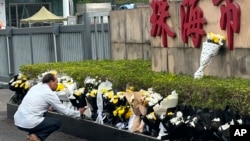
[(18, 11)]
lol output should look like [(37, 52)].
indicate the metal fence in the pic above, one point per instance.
[(55, 43)]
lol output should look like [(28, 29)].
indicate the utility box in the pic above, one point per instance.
[(72, 20)]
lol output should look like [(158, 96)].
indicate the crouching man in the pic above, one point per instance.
[(30, 117)]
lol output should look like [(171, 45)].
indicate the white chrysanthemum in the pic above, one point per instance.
[(178, 119)]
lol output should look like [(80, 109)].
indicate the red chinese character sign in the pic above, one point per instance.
[(192, 22), (230, 19), (158, 21)]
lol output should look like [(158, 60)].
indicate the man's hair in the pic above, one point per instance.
[(48, 77)]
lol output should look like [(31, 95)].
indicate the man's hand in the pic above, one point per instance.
[(50, 109)]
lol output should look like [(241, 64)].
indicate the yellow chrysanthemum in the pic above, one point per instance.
[(104, 90), (22, 85), (93, 93), (17, 83), (128, 114), (53, 72), (60, 87), (130, 89), (216, 37), (121, 111), (115, 113), (170, 113), (21, 76), (109, 94), (27, 85), (119, 96), (79, 91), (114, 100), (151, 116)]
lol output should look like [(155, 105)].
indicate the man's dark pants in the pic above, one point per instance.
[(45, 128)]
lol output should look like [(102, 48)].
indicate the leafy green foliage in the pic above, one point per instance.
[(83, 1), (210, 92)]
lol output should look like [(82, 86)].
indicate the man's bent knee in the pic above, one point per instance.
[(57, 124)]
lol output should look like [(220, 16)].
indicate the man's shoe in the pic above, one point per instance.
[(33, 137)]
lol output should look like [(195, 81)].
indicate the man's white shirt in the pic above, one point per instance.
[(36, 102)]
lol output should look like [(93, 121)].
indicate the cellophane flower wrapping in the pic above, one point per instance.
[(104, 87), (210, 48), (138, 107)]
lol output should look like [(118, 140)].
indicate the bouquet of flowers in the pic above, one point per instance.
[(122, 115), (139, 109), (20, 84), (66, 87), (90, 93), (210, 48), (116, 103), (163, 109), (104, 88)]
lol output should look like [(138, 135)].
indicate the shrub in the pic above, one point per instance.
[(210, 92)]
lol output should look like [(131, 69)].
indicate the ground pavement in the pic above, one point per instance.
[(8, 131)]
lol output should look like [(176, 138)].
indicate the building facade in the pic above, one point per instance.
[(20, 9)]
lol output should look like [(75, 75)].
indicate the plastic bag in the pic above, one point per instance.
[(99, 100)]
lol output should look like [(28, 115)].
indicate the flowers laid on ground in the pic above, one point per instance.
[(143, 111), (20, 84)]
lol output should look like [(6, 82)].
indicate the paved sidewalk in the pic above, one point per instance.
[(8, 131)]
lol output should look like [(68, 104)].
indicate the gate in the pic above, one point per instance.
[(56, 43)]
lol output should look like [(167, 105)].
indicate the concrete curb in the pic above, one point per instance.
[(87, 129), (4, 85)]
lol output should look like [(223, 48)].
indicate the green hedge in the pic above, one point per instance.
[(210, 92)]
